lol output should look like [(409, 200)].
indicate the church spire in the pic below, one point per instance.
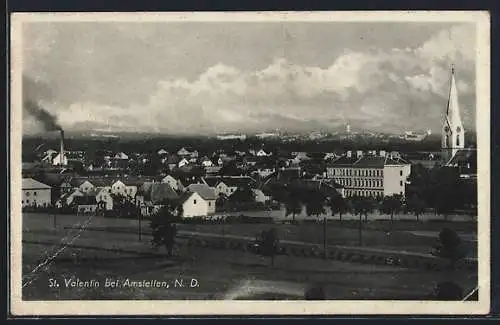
[(452, 133)]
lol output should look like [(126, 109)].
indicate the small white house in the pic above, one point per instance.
[(194, 205), (104, 198), (260, 196), (183, 162), (262, 153), (121, 155)]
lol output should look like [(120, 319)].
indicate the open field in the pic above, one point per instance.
[(405, 235), (98, 255)]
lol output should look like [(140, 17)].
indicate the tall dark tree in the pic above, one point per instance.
[(338, 205), (164, 229), (243, 194), (268, 243), (315, 203), (416, 205), (451, 247), (293, 203), (392, 204), (361, 206)]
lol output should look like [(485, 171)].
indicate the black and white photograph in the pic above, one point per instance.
[(247, 163)]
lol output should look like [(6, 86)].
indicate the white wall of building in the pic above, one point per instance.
[(196, 206), (39, 197), (395, 179)]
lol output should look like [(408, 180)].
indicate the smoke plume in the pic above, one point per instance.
[(32, 91)]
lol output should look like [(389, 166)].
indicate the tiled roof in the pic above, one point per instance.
[(366, 162), (238, 181), (205, 191), (30, 183), (157, 192)]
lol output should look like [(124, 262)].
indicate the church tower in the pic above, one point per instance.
[(452, 136)]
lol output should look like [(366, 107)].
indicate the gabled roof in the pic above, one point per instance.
[(31, 184), (205, 191), (212, 181), (238, 181), (366, 162), (157, 192)]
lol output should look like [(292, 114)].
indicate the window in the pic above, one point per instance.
[(209, 204), (400, 173), (22, 202), (27, 201), (194, 201), (28, 193), (400, 183), (458, 140), (34, 193)]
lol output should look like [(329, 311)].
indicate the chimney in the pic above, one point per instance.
[(61, 150)]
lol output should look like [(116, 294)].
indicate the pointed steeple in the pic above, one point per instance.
[(453, 132)]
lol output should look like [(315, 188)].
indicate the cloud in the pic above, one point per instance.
[(387, 89)]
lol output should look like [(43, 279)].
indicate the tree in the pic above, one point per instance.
[(444, 188), (338, 205), (362, 206), (315, 203), (293, 203), (416, 205), (243, 194), (164, 229), (392, 204), (451, 247), (268, 243)]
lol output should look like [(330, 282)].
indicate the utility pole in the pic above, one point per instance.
[(324, 238), (139, 215)]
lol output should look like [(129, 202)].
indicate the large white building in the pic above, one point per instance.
[(373, 176), (35, 193)]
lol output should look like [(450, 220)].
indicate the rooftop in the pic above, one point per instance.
[(31, 184), (205, 191), (367, 162)]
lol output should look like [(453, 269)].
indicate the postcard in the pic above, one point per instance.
[(250, 163)]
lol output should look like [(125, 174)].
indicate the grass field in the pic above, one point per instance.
[(118, 256)]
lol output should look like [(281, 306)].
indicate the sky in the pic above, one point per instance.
[(214, 77)]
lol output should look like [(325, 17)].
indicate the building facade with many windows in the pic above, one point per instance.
[(371, 176)]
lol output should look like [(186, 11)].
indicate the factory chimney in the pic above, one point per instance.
[(61, 150)]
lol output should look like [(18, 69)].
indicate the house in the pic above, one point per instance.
[(127, 186), (206, 162), (198, 201), (35, 193), (262, 153), (104, 199), (67, 199), (121, 156), (300, 157), (82, 184), (173, 182), (183, 152), (162, 152), (184, 162), (373, 176), (85, 204), (151, 196), (260, 196), (229, 184)]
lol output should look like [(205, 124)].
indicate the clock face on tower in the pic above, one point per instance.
[(459, 129), (446, 129)]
